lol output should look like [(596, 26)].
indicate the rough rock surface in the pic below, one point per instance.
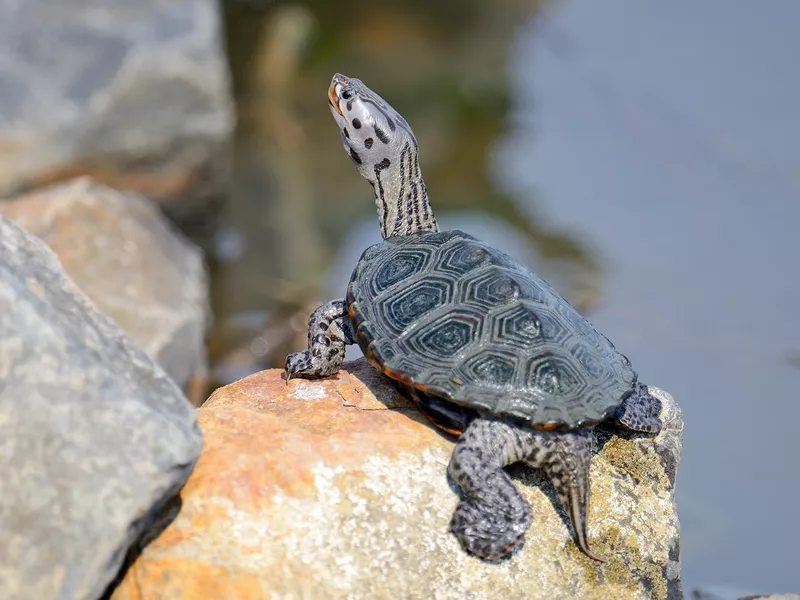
[(134, 93), (94, 436), (132, 264), (337, 489)]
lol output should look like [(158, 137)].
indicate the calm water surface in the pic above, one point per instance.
[(665, 135)]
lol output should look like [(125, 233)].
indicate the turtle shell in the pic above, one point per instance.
[(455, 318)]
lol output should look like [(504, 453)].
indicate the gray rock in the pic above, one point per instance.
[(133, 93), (124, 255), (94, 437)]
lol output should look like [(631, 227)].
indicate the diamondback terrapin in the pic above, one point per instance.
[(486, 347)]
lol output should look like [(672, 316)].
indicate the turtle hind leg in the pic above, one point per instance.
[(329, 331), (565, 458), (640, 411), (492, 517)]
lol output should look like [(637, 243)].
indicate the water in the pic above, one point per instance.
[(652, 145), (666, 133)]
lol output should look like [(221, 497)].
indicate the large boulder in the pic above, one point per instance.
[(135, 94), (94, 437), (337, 489), (120, 250)]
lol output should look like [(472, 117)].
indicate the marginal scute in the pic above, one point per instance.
[(461, 320)]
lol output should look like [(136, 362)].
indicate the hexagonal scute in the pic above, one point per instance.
[(448, 335), (463, 256), (554, 376), (490, 367), (491, 287), (395, 313), (517, 326), (595, 363), (554, 328), (394, 267)]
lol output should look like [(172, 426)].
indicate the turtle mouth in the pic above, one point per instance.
[(334, 91)]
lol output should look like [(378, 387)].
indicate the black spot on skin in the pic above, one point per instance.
[(346, 133), (357, 123), (381, 135), (356, 158), (323, 326), (391, 124), (368, 143)]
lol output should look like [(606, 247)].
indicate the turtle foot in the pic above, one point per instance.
[(487, 533), (640, 411), (308, 366)]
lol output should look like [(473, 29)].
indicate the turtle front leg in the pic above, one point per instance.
[(493, 516), (329, 331), (640, 411)]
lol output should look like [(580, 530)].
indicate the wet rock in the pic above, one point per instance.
[(135, 94), (337, 489), (94, 437), (120, 250)]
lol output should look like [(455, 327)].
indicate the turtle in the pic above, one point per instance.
[(488, 350)]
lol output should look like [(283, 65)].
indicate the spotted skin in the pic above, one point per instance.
[(489, 350), (383, 148), (493, 517), (640, 411), (329, 331)]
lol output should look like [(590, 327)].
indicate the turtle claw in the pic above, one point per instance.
[(296, 364), (594, 556)]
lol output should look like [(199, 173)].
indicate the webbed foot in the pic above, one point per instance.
[(304, 364), (490, 531)]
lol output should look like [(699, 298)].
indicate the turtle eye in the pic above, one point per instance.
[(346, 94)]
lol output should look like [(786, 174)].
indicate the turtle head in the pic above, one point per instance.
[(373, 133), (384, 150)]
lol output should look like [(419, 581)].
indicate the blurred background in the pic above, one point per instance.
[(639, 154)]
